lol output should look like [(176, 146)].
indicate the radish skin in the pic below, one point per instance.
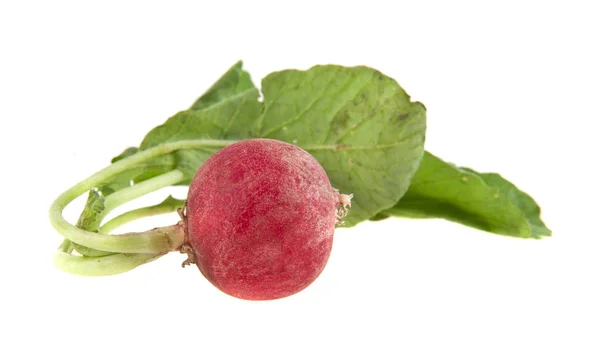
[(260, 218)]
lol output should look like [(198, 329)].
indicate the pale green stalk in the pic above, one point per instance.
[(154, 241), (138, 214)]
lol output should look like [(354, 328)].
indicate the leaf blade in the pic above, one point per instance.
[(485, 201), (234, 81), (228, 119), (359, 124)]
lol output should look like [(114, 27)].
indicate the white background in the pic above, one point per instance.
[(511, 88)]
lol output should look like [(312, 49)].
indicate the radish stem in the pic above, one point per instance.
[(140, 189), (101, 266), (140, 213), (158, 240)]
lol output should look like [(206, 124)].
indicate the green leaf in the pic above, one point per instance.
[(233, 82), (520, 199), (228, 119), (360, 125), (484, 201), (94, 206), (90, 220)]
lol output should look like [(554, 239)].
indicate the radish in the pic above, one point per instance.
[(260, 214), (260, 218)]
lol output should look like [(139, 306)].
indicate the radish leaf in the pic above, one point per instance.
[(233, 82), (485, 201), (359, 124)]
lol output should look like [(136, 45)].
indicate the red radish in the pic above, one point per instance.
[(260, 219)]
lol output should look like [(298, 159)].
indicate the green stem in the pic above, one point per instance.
[(110, 264), (66, 246), (101, 266), (140, 189), (168, 206), (158, 240), (123, 196)]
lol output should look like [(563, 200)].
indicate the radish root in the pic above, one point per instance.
[(344, 204), (185, 248)]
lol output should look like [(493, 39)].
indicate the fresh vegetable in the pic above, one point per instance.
[(260, 217), (357, 123)]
